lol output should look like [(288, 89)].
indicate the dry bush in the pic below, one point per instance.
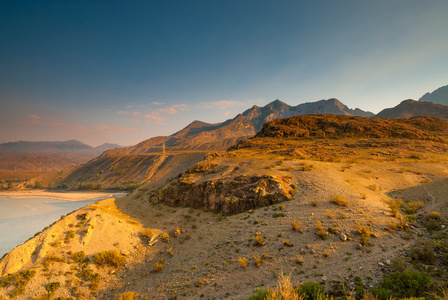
[(339, 200), (127, 296), (243, 261), (296, 226), (364, 232), (284, 291), (314, 202), (111, 258), (166, 237), (258, 261), (299, 260), (394, 205), (329, 213), (259, 239), (159, 266), (147, 233), (326, 252), (320, 231), (412, 207)]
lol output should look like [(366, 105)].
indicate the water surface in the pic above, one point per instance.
[(21, 218)]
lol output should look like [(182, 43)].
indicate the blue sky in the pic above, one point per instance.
[(125, 71)]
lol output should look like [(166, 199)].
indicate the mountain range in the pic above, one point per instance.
[(47, 156), (141, 162)]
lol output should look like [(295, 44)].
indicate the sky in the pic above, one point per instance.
[(125, 71)]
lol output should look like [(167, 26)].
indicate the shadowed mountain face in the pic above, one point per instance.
[(439, 96), (201, 136), (410, 108), (47, 156)]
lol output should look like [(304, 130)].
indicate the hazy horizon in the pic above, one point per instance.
[(122, 72)]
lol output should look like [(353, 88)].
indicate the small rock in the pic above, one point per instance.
[(359, 247), (380, 264), (387, 262), (343, 237), (312, 251), (442, 226), (324, 278)]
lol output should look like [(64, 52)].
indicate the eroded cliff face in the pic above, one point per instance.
[(227, 195)]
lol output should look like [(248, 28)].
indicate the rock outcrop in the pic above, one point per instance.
[(225, 195)]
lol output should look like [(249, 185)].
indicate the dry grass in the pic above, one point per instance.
[(320, 231), (296, 226), (243, 261), (339, 200)]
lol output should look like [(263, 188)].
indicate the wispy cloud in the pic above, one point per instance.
[(123, 112), (47, 121), (105, 129), (221, 104)]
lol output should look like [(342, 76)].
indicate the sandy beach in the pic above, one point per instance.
[(68, 196)]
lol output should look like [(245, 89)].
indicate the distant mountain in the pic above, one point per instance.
[(47, 156), (147, 162), (278, 109), (410, 108), (71, 146), (439, 96)]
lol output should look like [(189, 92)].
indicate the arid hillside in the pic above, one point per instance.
[(319, 208), (130, 166)]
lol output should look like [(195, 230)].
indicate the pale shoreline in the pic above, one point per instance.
[(68, 196)]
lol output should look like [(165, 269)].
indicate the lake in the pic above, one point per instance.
[(22, 218)]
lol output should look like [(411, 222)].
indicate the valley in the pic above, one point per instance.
[(317, 207)]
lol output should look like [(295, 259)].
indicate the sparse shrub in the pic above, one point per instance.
[(333, 230), (258, 261), (423, 251), (403, 284), (395, 205), (279, 215), (52, 287), (326, 252), (433, 220), (364, 232), (306, 168), (398, 264), (412, 207), (69, 235), (320, 231), (259, 239), (339, 200), (127, 296), (314, 202), (170, 251), (243, 261), (166, 237), (310, 290), (296, 226), (110, 257), (287, 243), (147, 233), (299, 260), (293, 186), (329, 213), (373, 187), (78, 256), (159, 266)]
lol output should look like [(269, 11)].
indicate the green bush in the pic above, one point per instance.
[(259, 294), (311, 290), (403, 284)]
